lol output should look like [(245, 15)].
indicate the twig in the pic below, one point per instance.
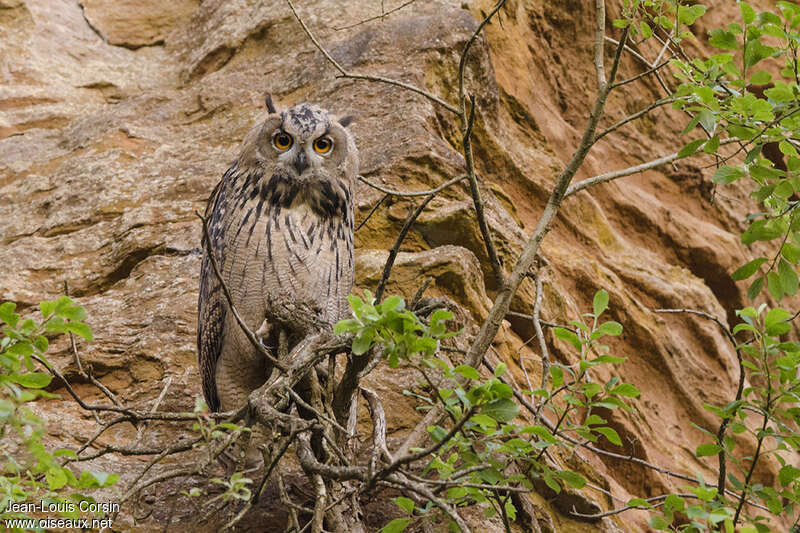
[(609, 176), (467, 120), (634, 116), (372, 211), (537, 307), (376, 17), (612, 512), (387, 268), (410, 194), (344, 74)]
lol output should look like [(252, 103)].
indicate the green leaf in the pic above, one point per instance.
[(363, 341), (567, 335), (346, 326), (723, 39), (392, 303), (748, 14), (708, 121), (610, 434), (610, 328), (756, 51), (749, 269), (8, 315), (503, 409), (467, 372), (774, 286), (41, 344), (600, 302), (56, 478), (690, 148), (557, 374), (626, 389), (761, 77), (646, 30), (47, 308), (574, 479), (689, 14), (396, 526), (708, 449), (791, 253), (484, 420), (658, 522), (755, 288), (32, 380), (788, 474), (500, 369), (407, 504), (80, 329), (727, 174), (788, 276), (638, 502), (775, 321)]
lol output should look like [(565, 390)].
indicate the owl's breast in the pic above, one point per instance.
[(292, 255)]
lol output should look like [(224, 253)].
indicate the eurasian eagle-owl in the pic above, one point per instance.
[(280, 224)]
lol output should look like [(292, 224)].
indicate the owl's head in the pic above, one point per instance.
[(305, 144)]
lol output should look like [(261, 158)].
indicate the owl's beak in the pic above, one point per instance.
[(301, 163)]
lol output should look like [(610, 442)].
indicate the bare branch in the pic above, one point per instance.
[(609, 176), (344, 74), (410, 194), (376, 17)]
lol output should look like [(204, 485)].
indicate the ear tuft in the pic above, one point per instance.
[(345, 121), (270, 105)]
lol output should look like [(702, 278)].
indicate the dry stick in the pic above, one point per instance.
[(426, 493), (267, 473), (376, 17), (609, 176), (344, 74), (248, 333), (387, 268), (467, 121), (634, 116), (409, 194), (110, 395), (135, 416), (721, 478), (410, 458), (287, 501), (378, 428), (143, 425), (537, 307), (642, 74), (197, 468), (372, 211), (547, 323), (660, 499)]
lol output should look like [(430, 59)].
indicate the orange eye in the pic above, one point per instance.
[(323, 145), (282, 141)]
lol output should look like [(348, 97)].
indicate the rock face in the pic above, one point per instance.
[(118, 118)]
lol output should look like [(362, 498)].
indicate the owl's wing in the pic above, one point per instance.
[(212, 307)]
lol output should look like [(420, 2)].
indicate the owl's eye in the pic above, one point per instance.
[(282, 141), (323, 145)]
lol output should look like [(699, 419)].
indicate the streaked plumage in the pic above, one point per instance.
[(281, 226)]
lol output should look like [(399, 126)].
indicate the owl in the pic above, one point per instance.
[(280, 223)]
